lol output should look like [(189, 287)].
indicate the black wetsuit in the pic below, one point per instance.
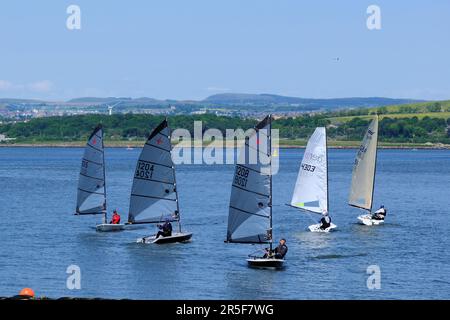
[(281, 251), (379, 215), (166, 230), (325, 222)]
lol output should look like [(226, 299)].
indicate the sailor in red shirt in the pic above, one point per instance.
[(115, 218)]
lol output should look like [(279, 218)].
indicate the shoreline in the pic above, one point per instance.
[(281, 146)]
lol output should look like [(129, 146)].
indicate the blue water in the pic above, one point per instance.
[(40, 237)]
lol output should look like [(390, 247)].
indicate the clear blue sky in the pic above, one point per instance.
[(189, 49)]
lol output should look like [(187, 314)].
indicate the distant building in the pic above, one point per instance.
[(199, 112), (3, 138)]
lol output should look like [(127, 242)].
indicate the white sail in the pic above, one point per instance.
[(311, 188), (363, 177), (91, 195), (153, 195), (250, 210)]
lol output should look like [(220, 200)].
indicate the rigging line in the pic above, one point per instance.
[(95, 135), (164, 135), (157, 181), (92, 161), (250, 213), (156, 164), (257, 149), (99, 150), (87, 176), (245, 167), (152, 197), (355, 206), (91, 192), (309, 212), (254, 192), (157, 147), (253, 242)]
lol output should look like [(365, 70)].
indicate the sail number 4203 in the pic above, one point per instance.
[(144, 170), (308, 167)]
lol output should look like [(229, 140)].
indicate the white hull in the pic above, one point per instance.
[(108, 227), (175, 237), (368, 221), (316, 228), (265, 263)]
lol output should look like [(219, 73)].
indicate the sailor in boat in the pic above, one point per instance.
[(380, 214), (279, 252), (115, 218), (325, 222), (165, 229)]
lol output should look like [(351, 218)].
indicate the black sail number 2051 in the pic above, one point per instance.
[(241, 176), (144, 170)]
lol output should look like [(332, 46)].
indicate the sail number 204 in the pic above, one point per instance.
[(144, 170), (241, 176)]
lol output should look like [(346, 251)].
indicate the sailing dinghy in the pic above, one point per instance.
[(363, 176), (250, 209), (91, 195), (154, 194), (311, 188)]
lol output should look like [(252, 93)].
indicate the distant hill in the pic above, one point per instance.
[(19, 101), (271, 99), (111, 100), (231, 101), (97, 100)]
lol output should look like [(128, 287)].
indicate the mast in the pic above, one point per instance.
[(326, 153), (105, 219), (175, 182), (270, 164), (374, 168)]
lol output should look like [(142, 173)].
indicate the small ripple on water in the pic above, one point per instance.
[(337, 256)]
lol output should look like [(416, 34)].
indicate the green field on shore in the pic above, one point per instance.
[(437, 115)]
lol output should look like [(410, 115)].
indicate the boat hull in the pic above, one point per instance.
[(175, 237), (316, 228), (107, 227), (368, 221), (265, 263)]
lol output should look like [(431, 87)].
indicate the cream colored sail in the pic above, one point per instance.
[(363, 177)]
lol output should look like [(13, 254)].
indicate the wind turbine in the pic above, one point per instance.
[(110, 107)]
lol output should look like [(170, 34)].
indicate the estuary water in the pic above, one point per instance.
[(40, 236)]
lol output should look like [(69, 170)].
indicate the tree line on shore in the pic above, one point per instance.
[(137, 126)]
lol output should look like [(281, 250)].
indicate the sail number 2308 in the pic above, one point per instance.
[(240, 178)]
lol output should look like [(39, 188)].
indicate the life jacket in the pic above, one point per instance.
[(116, 219)]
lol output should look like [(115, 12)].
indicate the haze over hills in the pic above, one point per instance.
[(271, 99), (233, 99)]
